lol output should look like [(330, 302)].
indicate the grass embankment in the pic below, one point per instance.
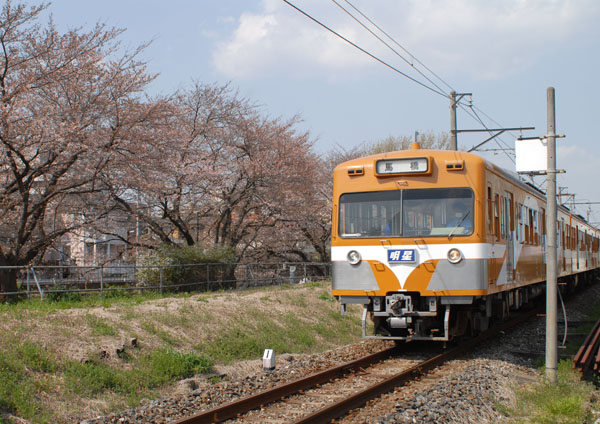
[(58, 359), (570, 400)]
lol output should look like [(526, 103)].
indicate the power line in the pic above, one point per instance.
[(495, 138), (476, 117), (473, 115), (364, 51), (473, 110), (388, 46)]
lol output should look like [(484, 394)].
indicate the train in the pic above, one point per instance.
[(438, 244)]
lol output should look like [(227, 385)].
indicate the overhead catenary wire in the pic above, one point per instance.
[(387, 45), (400, 46), (472, 114), (441, 93), (495, 138), (469, 109)]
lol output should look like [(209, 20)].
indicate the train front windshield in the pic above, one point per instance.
[(407, 213)]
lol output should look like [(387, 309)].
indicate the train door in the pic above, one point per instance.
[(508, 234)]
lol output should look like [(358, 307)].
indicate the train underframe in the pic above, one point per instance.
[(406, 316)]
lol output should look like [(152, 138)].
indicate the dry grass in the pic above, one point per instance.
[(302, 319)]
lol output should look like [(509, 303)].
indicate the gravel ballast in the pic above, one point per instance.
[(465, 390)]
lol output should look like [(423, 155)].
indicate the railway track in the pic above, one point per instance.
[(587, 358), (329, 394)]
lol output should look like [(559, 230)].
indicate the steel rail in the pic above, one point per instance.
[(241, 406), (587, 358), (235, 408), (357, 400)]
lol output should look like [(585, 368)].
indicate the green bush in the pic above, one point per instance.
[(185, 268), (58, 295)]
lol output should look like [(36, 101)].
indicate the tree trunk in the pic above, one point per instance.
[(8, 281), (229, 281)]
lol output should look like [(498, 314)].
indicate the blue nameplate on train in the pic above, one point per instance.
[(402, 256)]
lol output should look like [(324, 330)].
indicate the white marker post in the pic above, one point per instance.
[(269, 360)]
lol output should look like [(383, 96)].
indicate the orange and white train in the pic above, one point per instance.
[(436, 243)]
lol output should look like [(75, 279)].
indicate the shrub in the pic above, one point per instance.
[(63, 293), (187, 267)]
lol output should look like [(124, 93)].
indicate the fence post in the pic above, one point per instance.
[(28, 285), (207, 277), (37, 283), (161, 281), (305, 278), (101, 280)]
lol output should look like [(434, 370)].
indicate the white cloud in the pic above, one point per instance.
[(486, 39), (283, 41)]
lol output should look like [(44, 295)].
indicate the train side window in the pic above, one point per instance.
[(517, 221), (526, 217), (530, 235), (511, 205), (543, 219), (570, 237), (522, 223), (502, 217), (490, 210), (496, 217), (533, 226), (569, 246), (536, 228)]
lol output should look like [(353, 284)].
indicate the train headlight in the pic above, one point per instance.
[(353, 257), (454, 256)]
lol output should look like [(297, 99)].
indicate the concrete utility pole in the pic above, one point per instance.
[(453, 134), (551, 282), (454, 99)]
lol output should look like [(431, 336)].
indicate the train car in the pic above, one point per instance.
[(436, 243)]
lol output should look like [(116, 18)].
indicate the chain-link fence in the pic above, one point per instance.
[(61, 281)]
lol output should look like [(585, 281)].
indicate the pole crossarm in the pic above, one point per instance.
[(498, 132), (457, 97), (498, 129), (543, 137)]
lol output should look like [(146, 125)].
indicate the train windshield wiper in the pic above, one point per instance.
[(458, 224)]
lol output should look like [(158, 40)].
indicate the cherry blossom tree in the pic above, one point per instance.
[(67, 103), (218, 173), (164, 181)]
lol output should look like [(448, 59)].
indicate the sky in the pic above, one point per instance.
[(505, 52)]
